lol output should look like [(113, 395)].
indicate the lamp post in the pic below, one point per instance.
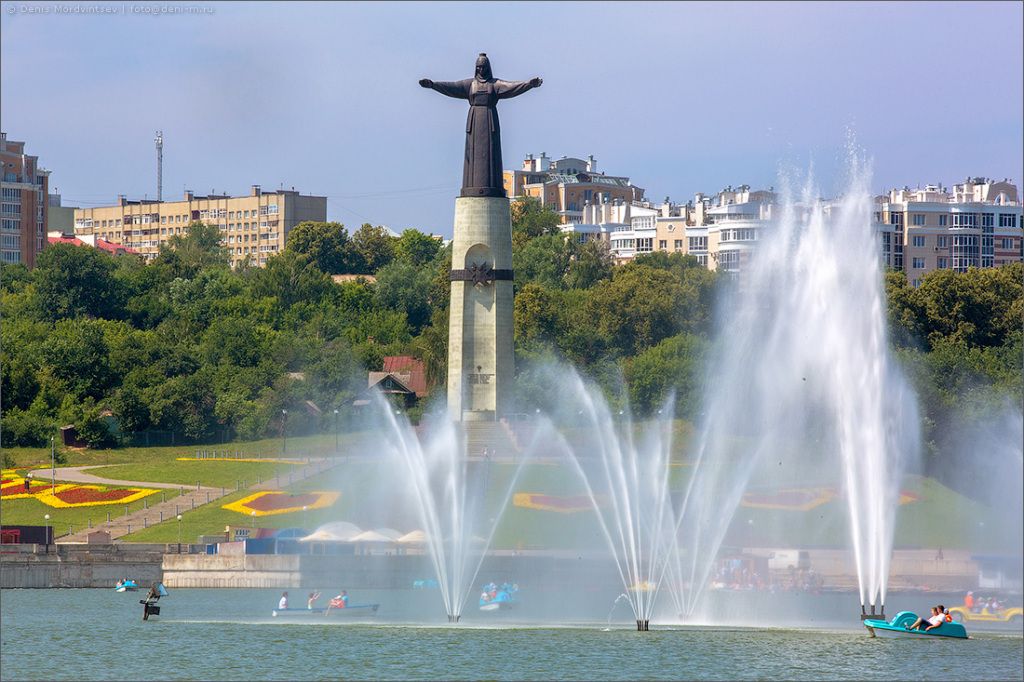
[(254, 520), (46, 533), (284, 433), (303, 518), (53, 469), (179, 533), (335, 432)]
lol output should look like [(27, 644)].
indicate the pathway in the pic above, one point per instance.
[(191, 497)]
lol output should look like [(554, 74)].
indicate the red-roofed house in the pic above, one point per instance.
[(403, 375)]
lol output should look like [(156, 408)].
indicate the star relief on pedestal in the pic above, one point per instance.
[(480, 273)]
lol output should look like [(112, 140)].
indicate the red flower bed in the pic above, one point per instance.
[(268, 503), (18, 488), (80, 495)]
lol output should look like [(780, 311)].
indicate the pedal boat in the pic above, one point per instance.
[(897, 627), (127, 585)]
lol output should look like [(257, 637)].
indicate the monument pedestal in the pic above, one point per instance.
[(480, 361)]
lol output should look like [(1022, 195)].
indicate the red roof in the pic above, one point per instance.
[(113, 249), (409, 370)]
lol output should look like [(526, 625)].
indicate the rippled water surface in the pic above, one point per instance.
[(229, 635)]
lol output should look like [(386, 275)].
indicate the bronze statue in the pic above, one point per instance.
[(481, 172)]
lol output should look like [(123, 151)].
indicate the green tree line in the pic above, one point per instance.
[(187, 344)]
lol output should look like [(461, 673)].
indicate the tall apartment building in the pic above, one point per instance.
[(254, 226), (978, 224), (568, 185), (25, 208)]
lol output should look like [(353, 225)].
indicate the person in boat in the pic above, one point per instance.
[(339, 602), (313, 596), (283, 604), (946, 617), (485, 595), (934, 621)]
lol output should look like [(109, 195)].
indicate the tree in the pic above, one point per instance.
[(74, 281), (637, 308), (327, 246), (674, 364), (77, 354), (592, 262), (376, 246), (543, 261), (402, 287), (417, 248), (198, 249), (531, 219)]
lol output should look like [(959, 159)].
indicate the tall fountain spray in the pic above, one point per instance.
[(628, 484), (458, 504), (803, 392)]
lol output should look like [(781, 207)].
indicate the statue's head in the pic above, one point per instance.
[(483, 67)]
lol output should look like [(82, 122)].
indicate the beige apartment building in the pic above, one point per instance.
[(568, 185), (252, 227), (976, 224), (24, 211)]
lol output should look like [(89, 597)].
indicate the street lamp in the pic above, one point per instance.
[(179, 533), (335, 432), (53, 469), (303, 518), (254, 520), (284, 433), (46, 533)]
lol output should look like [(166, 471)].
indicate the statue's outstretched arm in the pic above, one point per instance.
[(457, 89), (506, 89)]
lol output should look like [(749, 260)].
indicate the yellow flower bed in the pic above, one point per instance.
[(272, 501), (235, 459)]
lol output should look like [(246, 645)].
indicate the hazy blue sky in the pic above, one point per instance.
[(681, 97)]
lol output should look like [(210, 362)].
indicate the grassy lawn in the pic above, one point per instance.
[(373, 496)]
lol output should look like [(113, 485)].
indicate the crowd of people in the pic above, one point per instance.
[(979, 604)]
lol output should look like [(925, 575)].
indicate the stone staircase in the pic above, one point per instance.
[(191, 498), (493, 436)]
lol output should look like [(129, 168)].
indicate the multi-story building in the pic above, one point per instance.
[(25, 208), (631, 228), (568, 185), (732, 226), (977, 224), (252, 227)]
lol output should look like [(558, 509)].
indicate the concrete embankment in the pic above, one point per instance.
[(42, 566), (101, 565)]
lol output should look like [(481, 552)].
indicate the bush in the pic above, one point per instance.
[(26, 429)]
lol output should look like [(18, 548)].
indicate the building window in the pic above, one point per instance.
[(943, 243), (896, 219), (918, 264), (942, 220), (966, 220), (987, 220), (678, 245), (918, 241), (918, 219), (1008, 243), (943, 263), (1007, 220), (662, 244)]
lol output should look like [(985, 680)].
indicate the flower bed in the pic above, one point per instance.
[(277, 502), (91, 495), (562, 505)]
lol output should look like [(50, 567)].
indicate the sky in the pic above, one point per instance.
[(681, 97)]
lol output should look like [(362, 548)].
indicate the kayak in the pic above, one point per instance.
[(357, 610), (897, 627)]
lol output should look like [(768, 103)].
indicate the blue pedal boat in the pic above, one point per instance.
[(898, 627)]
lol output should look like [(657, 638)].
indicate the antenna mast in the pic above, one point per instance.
[(159, 165)]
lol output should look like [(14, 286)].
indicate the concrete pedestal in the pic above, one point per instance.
[(480, 369)]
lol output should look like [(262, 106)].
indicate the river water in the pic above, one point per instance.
[(69, 634)]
